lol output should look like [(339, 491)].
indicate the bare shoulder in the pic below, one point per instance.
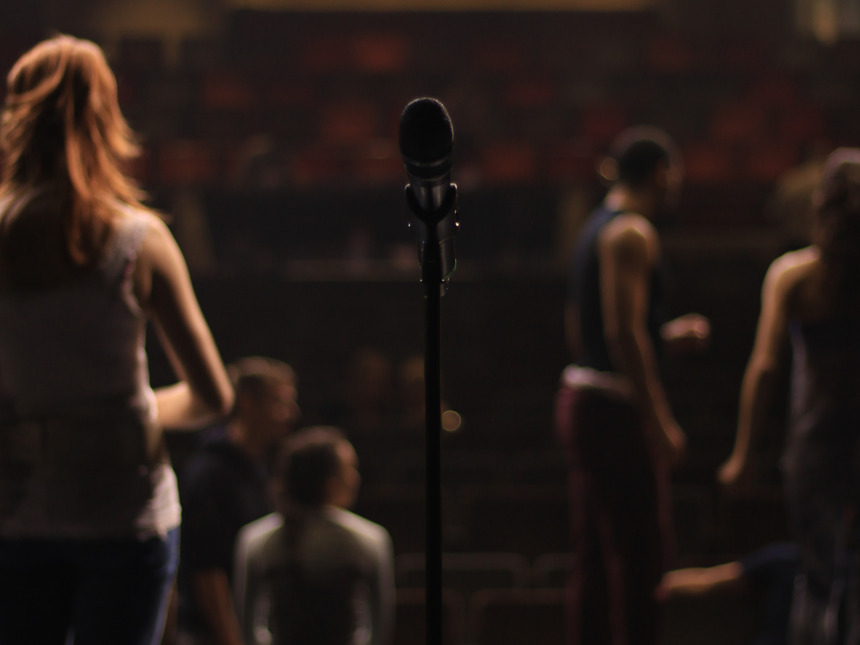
[(805, 257), (630, 236), (792, 269), (159, 245), (159, 260), (793, 284), (630, 226), (157, 231)]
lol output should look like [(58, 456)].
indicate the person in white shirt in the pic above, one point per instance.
[(315, 572)]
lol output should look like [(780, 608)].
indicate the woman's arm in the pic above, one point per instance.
[(757, 387), (701, 580), (203, 393)]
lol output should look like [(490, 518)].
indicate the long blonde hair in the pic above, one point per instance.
[(64, 140)]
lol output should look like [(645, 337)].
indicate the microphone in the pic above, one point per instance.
[(427, 146)]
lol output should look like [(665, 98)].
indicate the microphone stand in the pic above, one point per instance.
[(437, 263)]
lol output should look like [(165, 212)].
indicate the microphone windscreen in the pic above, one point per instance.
[(426, 137)]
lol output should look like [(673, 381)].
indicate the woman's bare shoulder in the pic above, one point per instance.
[(797, 260), (797, 279), (793, 267), (157, 236)]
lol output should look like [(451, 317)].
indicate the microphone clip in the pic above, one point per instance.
[(434, 230)]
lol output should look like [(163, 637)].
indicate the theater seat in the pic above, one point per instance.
[(518, 617), (411, 624)]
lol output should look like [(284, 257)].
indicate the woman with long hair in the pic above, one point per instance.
[(89, 511), (812, 298)]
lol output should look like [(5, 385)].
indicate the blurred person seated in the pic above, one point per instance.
[(315, 572), (363, 408)]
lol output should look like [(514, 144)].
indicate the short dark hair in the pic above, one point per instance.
[(637, 152), (254, 374), (309, 460)]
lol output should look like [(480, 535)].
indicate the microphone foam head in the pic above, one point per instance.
[(426, 137)]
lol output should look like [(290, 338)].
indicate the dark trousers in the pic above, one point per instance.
[(96, 592), (620, 518)]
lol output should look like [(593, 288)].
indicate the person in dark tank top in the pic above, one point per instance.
[(611, 413)]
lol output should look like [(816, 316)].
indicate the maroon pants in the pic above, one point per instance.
[(620, 519)]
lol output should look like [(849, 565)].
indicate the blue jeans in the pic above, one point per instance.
[(88, 592)]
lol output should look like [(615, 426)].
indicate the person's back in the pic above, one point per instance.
[(323, 583), (316, 573), (825, 407), (89, 512), (78, 342), (72, 364)]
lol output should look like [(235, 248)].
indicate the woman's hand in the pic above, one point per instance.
[(687, 334), (735, 475)]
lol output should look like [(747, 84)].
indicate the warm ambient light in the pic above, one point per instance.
[(444, 5), (451, 421)]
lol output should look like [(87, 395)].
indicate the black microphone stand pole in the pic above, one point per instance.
[(432, 278), (432, 229)]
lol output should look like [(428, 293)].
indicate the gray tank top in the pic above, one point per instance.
[(80, 453)]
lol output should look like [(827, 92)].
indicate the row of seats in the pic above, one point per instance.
[(370, 159), (468, 573), (493, 617), (531, 520), (494, 606), (532, 103), (496, 41)]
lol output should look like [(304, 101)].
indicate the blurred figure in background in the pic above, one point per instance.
[(89, 511), (811, 298), (225, 485), (763, 578), (611, 414), (790, 205), (367, 397), (411, 411), (315, 572)]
